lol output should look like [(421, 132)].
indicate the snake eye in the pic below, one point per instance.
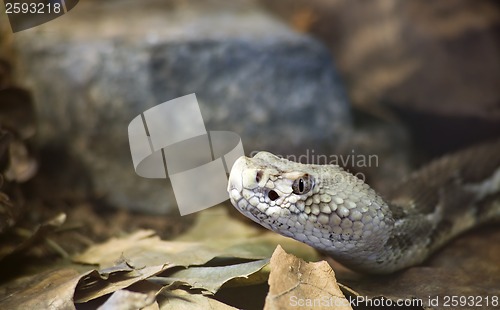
[(302, 185)]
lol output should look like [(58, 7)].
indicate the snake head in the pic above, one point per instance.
[(266, 188), (320, 205)]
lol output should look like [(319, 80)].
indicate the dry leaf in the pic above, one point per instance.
[(127, 300), (181, 300), (212, 278), (94, 284), (48, 290), (295, 284), (42, 231), (143, 248), (129, 261), (214, 225)]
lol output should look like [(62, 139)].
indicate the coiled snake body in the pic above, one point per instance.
[(337, 213)]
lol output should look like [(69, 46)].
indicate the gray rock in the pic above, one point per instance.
[(95, 69)]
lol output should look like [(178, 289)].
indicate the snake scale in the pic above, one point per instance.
[(335, 212)]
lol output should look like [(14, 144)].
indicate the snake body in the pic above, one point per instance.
[(337, 213)]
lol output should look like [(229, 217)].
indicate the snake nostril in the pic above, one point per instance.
[(258, 176), (273, 195)]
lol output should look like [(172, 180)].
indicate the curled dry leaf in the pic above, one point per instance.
[(94, 285), (22, 166), (295, 284)]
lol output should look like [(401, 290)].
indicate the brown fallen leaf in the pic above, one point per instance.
[(182, 300), (212, 278), (43, 230), (127, 300), (48, 290), (132, 259), (295, 284), (144, 248), (132, 262), (215, 225), (94, 285)]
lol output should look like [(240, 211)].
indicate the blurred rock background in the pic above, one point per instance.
[(433, 65), (252, 74), (404, 80)]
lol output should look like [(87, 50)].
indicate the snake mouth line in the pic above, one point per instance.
[(253, 213)]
